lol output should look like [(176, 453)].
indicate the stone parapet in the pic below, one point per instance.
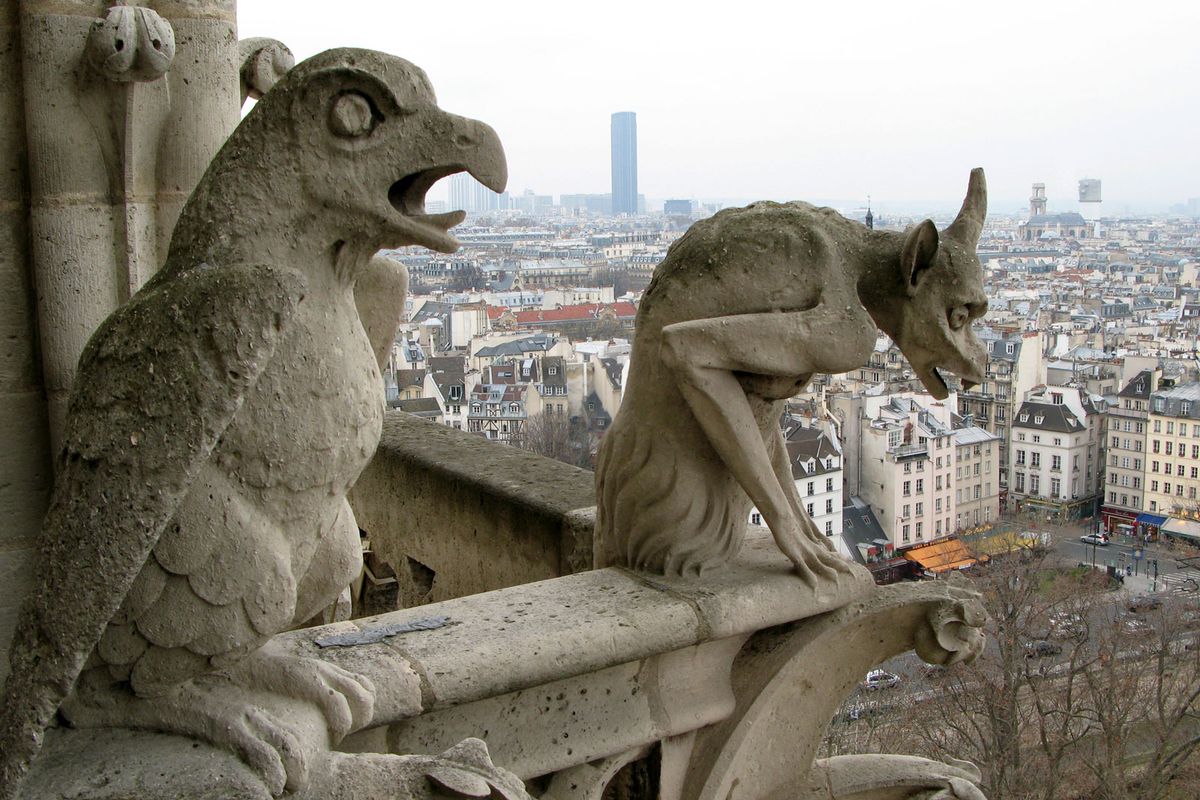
[(479, 514)]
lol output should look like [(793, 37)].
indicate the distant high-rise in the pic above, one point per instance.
[(468, 194), (624, 163)]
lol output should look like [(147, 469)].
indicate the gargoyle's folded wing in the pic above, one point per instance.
[(157, 385)]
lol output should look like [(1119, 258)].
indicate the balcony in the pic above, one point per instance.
[(907, 452)]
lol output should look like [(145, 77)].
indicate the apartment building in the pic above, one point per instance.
[(1015, 366), (906, 464), (976, 475), (816, 460), (1056, 449), (1125, 471), (1173, 438)]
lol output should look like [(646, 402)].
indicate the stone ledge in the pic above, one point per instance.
[(487, 517)]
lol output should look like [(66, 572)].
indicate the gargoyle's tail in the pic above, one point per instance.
[(38, 682)]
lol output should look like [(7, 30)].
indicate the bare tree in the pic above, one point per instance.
[(557, 436), (1075, 697)]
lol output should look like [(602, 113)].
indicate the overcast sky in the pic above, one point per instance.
[(827, 101)]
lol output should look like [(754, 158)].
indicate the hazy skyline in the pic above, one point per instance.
[(829, 102)]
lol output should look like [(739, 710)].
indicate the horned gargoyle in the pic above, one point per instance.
[(745, 308), (219, 419)]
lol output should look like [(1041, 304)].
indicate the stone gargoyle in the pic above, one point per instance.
[(219, 419), (745, 308)]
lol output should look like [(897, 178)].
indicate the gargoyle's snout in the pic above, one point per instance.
[(452, 144), (481, 153)]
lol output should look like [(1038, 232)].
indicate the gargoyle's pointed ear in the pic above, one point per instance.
[(917, 256), (968, 225), (344, 102)]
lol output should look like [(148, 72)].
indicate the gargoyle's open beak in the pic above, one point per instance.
[(458, 145)]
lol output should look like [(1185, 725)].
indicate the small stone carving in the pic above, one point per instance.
[(131, 44), (264, 62), (218, 421), (745, 308)]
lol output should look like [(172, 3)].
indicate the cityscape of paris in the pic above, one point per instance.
[(1079, 449), (889, 311)]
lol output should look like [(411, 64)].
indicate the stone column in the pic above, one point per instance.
[(71, 216), (24, 443), (205, 100)]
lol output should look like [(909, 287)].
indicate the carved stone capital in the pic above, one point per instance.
[(131, 44)]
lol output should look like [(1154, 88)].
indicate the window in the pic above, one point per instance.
[(829, 506), (907, 467), (810, 487), (1020, 482), (1057, 441), (829, 484), (920, 486), (937, 504), (755, 518), (1158, 426), (906, 512), (1154, 466), (1170, 427), (904, 533), (938, 528), (907, 488), (976, 492), (554, 371), (1179, 470), (1035, 459), (1021, 457), (919, 526), (1055, 487), (920, 509), (1154, 486), (1036, 438), (809, 509), (1056, 463), (1034, 483), (829, 527), (1155, 445), (937, 484), (456, 392), (1179, 490)]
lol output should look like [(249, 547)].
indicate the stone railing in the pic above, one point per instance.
[(470, 515), (727, 681)]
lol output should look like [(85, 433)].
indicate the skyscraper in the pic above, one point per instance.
[(468, 194), (624, 163)]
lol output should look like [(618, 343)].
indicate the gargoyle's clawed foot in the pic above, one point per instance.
[(346, 699), (213, 711)]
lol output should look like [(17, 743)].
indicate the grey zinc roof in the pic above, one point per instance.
[(1053, 418), (1138, 386)]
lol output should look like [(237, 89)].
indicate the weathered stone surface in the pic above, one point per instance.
[(489, 517), (746, 306), (220, 418)]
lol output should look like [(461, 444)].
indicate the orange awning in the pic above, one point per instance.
[(941, 556)]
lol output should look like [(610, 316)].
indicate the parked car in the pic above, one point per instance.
[(1132, 626), (1067, 625), (1144, 602), (1091, 538), (1040, 648), (880, 679)]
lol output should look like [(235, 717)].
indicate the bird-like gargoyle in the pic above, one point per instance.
[(219, 419), (745, 308)]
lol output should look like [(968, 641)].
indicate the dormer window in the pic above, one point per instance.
[(551, 370), (456, 392), (1185, 407), (1024, 418), (1039, 419)]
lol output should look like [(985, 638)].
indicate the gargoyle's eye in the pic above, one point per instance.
[(958, 317), (352, 115)]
